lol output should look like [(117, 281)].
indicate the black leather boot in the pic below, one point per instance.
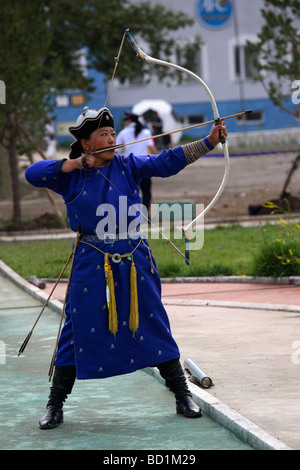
[(175, 379), (62, 384)]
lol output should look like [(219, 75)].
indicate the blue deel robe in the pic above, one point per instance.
[(85, 339)]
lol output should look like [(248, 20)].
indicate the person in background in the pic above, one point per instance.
[(155, 124), (135, 130), (50, 141)]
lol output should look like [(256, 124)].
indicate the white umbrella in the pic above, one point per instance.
[(165, 112)]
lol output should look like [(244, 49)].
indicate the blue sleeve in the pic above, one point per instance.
[(167, 163), (48, 174), (170, 162)]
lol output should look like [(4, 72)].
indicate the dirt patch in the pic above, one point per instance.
[(42, 222), (287, 203), (253, 180)]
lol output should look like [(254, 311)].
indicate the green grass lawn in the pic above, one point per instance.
[(226, 251)]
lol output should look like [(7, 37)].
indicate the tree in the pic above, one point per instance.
[(39, 42), (27, 91), (277, 52)]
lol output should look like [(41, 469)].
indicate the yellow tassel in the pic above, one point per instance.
[(110, 297), (113, 318), (134, 311)]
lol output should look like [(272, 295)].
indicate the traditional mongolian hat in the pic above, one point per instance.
[(89, 121)]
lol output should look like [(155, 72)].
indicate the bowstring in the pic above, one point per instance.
[(117, 59)]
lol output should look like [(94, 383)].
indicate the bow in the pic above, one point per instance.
[(145, 57)]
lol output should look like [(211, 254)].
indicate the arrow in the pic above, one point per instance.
[(248, 111)]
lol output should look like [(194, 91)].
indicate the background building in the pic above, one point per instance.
[(225, 27)]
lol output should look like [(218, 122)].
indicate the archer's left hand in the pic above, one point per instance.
[(216, 132)]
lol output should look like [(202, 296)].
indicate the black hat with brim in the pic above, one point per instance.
[(128, 115), (89, 121)]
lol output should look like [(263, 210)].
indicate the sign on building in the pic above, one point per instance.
[(214, 13)]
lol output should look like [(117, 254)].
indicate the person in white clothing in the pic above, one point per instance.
[(134, 130), (50, 141)]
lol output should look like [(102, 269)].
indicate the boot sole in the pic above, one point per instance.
[(47, 425), (50, 426), (193, 415)]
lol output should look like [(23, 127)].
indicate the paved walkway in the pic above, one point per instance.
[(234, 331), (246, 337)]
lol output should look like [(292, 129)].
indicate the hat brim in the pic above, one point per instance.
[(88, 125)]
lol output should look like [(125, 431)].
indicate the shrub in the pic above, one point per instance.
[(279, 257)]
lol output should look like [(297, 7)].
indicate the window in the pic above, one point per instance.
[(77, 100), (256, 117), (62, 101), (243, 66), (191, 62), (240, 58), (194, 119)]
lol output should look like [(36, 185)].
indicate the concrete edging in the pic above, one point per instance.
[(227, 304), (288, 280), (230, 419), (36, 292), (292, 280)]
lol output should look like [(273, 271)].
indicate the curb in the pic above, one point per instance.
[(241, 427), (37, 236), (292, 280), (235, 279), (227, 304), (36, 292)]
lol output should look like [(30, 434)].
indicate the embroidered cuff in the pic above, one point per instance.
[(197, 149)]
